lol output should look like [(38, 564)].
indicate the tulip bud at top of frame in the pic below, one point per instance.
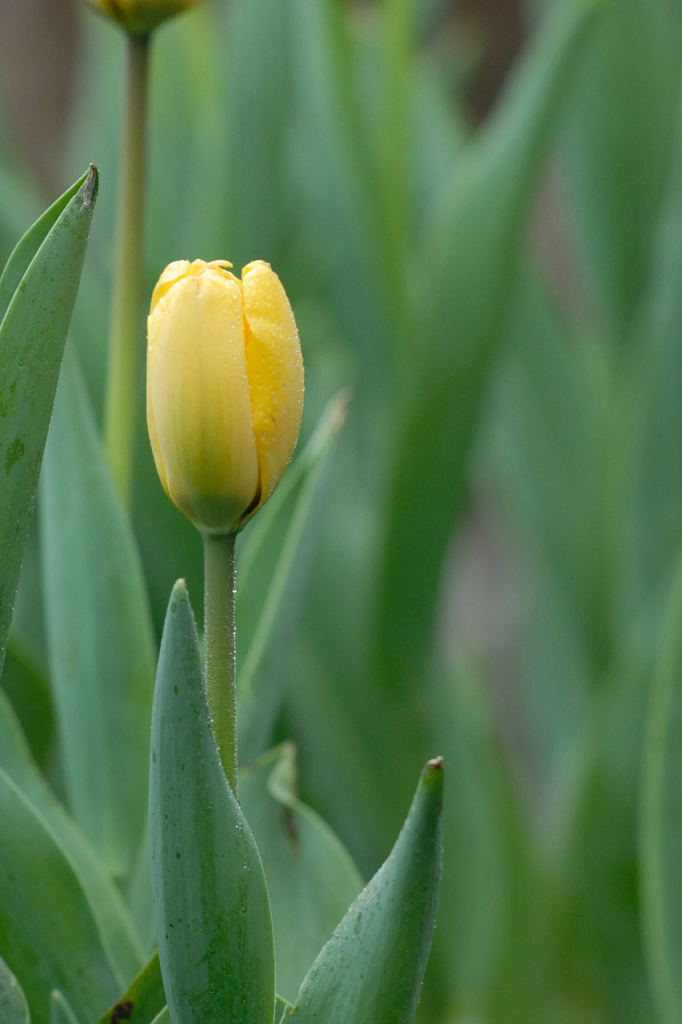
[(224, 389), (140, 17)]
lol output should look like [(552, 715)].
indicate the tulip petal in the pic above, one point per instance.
[(201, 426), (275, 371)]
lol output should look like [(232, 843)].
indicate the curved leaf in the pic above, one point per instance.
[(32, 336), (371, 970), (311, 878), (100, 642), (61, 1012), (661, 820), (144, 1000), (13, 1005), (48, 935), (283, 536), (115, 926), (468, 270), (211, 906)]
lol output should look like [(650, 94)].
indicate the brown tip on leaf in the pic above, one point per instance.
[(436, 763), (90, 187)]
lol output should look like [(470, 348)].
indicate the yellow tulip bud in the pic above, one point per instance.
[(140, 17), (224, 389)]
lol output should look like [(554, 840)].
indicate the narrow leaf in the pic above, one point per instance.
[(661, 820), (13, 1005), (268, 600), (100, 641), (115, 926), (467, 271), (143, 1001), (32, 336), (311, 878), (371, 970), (211, 906), (60, 1011), (48, 935)]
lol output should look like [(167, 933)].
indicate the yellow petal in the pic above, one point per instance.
[(275, 370), (200, 420)]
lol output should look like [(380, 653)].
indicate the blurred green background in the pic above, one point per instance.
[(476, 210)]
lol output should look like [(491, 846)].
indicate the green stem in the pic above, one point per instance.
[(220, 647), (124, 355)]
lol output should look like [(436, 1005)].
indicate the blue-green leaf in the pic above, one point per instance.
[(465, 282), (32, 336), (143, 1001), (660, 832), (60, 1011), (115, 926), (100, 641), (311, 878), (371, 970), (268, 599), (48, 934), (211, 907), (13, 1005)]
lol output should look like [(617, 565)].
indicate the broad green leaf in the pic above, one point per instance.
[(660, 826), (32, 336), (13, 1005), (311, 878), (163, 1017), (272, 574), (144, 1000), (371, 970), (618, 147), (25, 681), (100, 642), (48, 934), (60, 1011), (211, 907), (464, 283), (26, 249), (115, 925)]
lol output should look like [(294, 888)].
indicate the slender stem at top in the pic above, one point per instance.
[(124, 351), (220, 647)]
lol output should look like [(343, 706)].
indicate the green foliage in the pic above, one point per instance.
[(37, 292), (211, 907), (371, 969), (100, 641), (311, 879)]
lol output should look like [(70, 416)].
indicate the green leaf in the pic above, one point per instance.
[(660, 827), (143, 1001), (48, 934), (618, 147), (283, 537), (371, 970), (211, 907), (163, 1017), (13, 1005), (26, 249), (115, 926), (465, 282), (60, 1011), (25, 681), (311, 878), (32, 336), (100, 642)]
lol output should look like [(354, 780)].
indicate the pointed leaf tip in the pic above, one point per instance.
[(90, 187)]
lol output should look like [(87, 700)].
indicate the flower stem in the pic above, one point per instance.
[(220, 647), (124, 355)]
